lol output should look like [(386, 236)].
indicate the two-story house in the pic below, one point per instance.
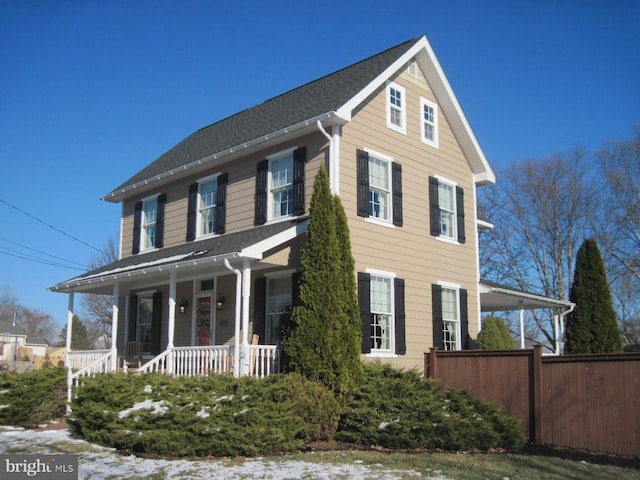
[(211, 231)]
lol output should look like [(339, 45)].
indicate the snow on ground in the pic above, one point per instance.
[(100, 463)]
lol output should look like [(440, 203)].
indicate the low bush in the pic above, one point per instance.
[(32, 398), (203, 416), (400, 410)]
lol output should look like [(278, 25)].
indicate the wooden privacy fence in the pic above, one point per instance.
[(589, 402)]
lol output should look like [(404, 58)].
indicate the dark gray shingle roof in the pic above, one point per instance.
[(308, 101), (221, 245)]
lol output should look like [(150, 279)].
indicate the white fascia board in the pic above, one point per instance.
[(256, 251), (446, 99)]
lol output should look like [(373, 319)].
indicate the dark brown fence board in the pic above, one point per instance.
[(589, 402)]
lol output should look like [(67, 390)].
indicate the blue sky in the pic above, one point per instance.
[(92, 91)]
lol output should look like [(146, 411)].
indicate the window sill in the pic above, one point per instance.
[(382, 223), (448, 240), (148, 250), (279, 219), (375, 354)]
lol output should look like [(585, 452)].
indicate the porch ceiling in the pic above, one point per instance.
[(500, 298), (185, 258)]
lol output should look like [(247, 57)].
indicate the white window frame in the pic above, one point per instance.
[(387, 222), (424, 104), (392, 107), (390, 335), (199, 209), (146, 225), (271, 190), (453, 322), (453, 238)]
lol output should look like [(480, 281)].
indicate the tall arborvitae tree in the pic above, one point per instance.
[(352, 373), (592, 326), (320, 343)]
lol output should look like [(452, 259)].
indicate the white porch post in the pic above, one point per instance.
[(246, 295), (114, 327), (68, 349), (171, 327), (521, 306)]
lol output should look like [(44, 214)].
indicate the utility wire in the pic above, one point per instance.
[(39, 251), (49, 225), (31, 258)]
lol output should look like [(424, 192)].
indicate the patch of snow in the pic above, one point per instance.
[(101, 463), (157, 408), (202, 413), (148, 389), (2, 407)]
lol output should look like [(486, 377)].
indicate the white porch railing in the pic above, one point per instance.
[(264, 360), (79, 359)]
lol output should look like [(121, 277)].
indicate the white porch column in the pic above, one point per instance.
[(68, 349), (171, 326), (246, 295), (521, 306), (114, 327)]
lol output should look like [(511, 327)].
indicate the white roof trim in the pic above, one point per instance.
[(426, 58), (521, 300), (257, 250)]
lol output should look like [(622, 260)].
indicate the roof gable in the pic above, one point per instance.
[(330, 98)]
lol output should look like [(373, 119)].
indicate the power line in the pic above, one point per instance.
[(39, 251), (49, 225), (31, 258)]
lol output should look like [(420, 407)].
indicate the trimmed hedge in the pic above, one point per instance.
[(400, 410), (203, 416), (32, 398)]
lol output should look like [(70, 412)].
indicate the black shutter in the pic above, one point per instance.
[(137, 220), (434, 207), (400, 333), (464, 320), (460, 213), (162, 200), (156, 324), (295, 289), (261, 193), (221, 204), (396, 190), (438, 322), (259, 303), (191, 212), (132, 330), (299, 159), (364, 302), (363, 183)]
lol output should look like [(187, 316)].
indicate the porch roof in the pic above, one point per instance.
[(495, 297), (251, 243)]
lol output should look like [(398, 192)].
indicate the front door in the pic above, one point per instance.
[(204, 324)]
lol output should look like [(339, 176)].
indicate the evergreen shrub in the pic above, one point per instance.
[(400, 410), (32, 398), (203, 416)]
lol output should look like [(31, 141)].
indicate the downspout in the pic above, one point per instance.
[(333, 164), (67, 356), (562, 315), (236, 356), (115, 313)]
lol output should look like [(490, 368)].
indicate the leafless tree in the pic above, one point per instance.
[(541, 211), (97, 308)]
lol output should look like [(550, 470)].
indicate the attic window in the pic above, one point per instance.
[(396, 108)]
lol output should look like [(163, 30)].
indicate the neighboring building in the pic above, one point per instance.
[(211, 231), (12, 339)]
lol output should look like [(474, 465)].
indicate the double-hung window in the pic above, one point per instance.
[(450, 319), (381, 313), (429, 122), (446, 210), (149, 219), (450, 316), (281, 186), (148, 223), (208, 194), (396, 108), (379, 188)]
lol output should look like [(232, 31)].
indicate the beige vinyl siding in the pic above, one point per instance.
[(410, 251), (240, 192)]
